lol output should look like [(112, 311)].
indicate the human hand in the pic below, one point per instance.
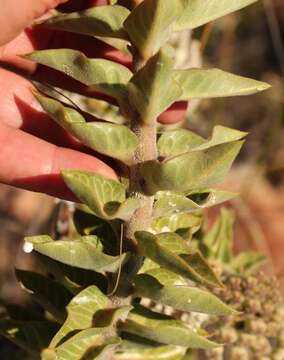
[(33, 148)]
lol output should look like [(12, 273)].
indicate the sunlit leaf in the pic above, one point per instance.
[(151, 23), (197, 13), (165, 331), (180, 297), (165, 277), (105, 197), (176, 222), (214, 83), (194, 259), (180, 141), (51, 295), (149, 88), (192, 170), (176, 142), (96, 21), (150, 247), (81, 311), (76, 348), (103, 75), (173, 242), (114, 140), (85, 253), (169, 202)]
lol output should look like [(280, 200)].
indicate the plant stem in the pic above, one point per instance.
[(147, 150)]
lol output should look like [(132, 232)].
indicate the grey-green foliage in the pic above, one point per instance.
[(91, 314), (217, 245)]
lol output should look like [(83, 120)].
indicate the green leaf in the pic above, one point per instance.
[(247, 262), (76, 348), (32, 336), (151, 23), (173, 242), (214, 83), (81, 311), (169, 202), (197, 262), (105, 197), (97, 21), (171, 332), (180, 297), (180, 141), (72, 278), (113, 140), (109, 232), (165, 277), (148, 90), (104, 76), (51, 295), (192, 170), (168, 352), (177, 245), (110, 317), (103, 352), (197, 13), (176, 142), (176, 222), (84, 253), (219, 239), (150, 247)]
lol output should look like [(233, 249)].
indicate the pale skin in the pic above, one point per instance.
[(33, 149)]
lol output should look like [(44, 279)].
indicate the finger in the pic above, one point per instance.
[(14, 19), (33, 164), (19, 109), (175, 113), (40, 38)]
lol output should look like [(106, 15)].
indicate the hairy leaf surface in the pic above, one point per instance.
[(81, 311), (114, 140), (196, 269), (176, 142), (105, 197), (151, 23), (214, 83), (148, 90), (105, 76), (180, 297), (169, 202), (197, 13), (166, 332), (85, 253), (192, 170), (96, 21)]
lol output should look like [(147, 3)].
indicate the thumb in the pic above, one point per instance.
[(14, 17)]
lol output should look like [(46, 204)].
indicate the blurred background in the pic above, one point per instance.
[(249, 43)]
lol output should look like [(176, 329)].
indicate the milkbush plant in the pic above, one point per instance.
[(133, 237)]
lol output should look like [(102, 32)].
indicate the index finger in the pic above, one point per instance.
[(13, 21)]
